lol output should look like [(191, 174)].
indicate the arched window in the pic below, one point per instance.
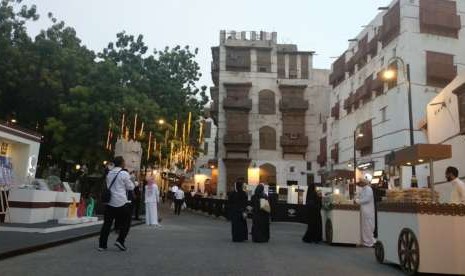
[(266, 102), (267, 138)]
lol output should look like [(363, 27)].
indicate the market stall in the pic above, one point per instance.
[(341, 217), (417, 232)]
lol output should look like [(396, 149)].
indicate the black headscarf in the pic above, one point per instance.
[(239, 186), (260, 191), (312, 195)]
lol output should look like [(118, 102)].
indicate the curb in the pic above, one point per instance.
[(35, 248)]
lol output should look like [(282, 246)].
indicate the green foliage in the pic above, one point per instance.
[(71, 93)]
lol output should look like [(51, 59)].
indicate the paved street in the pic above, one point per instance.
[(193, 244)]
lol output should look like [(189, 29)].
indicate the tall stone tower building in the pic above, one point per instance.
[(267, 103)]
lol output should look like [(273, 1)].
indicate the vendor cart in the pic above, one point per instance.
[(422, 235), (341, 224)]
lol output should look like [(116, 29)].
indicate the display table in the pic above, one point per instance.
[(422, 237), (341, 224), (33, 206)]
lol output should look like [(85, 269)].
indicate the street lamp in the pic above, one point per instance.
[(357, 135), (161, 122), (390, 74)]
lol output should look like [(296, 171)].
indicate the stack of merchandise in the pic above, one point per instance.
[(6, 172), (413, 195)]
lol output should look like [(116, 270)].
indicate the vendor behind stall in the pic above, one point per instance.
[(458, 187)]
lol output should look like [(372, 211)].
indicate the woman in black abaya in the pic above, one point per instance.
[(237, 201), (260, 216), (314, 226)]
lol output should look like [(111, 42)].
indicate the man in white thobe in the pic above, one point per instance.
[(367, 214), (458, 187)]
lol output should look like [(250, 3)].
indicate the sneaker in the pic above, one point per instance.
[(120, 246), (101, 249)]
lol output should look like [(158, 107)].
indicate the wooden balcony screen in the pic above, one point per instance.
[(440, 69), (439, 17), (391, 25)]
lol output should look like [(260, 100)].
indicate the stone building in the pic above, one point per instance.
[(267, 103), (422, 39)]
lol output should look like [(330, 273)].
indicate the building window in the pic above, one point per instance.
[(281, 66), (264, 60), (266, 102), (383, 114), (460, 92), (304, 68), (291, 169), (309, 166), (391, 25), (267, 138), (238, 59), (207, 130), (205, 148), (293, 66)]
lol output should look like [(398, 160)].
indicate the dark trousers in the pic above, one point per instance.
[(177, 206), (136, 208), (122, 215)]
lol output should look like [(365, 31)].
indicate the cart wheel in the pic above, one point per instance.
[(379, 252), (329, 231), (408, 251)]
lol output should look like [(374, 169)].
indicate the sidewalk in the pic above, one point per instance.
[(14, 243)]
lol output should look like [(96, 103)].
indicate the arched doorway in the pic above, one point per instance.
[(268, 174)]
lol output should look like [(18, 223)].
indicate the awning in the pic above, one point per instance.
[(344, 174), (420, 154)]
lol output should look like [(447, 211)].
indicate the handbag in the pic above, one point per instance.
[(265, 205), (106, 194)]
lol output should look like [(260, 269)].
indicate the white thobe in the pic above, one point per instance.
[(458, 191), (367, 216), (152, 197)]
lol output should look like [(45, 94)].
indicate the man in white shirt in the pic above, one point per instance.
[(458, 187), (178, 201), (119, 208)]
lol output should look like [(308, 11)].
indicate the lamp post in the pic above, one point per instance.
[(389, 75), (356, 135)]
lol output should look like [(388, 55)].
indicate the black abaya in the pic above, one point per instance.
[(260, 222), (237, 204), (314, 225)]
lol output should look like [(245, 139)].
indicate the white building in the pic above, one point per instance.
[(427, 36), (267, 103), (446, 125)]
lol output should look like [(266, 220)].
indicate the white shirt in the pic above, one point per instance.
[(179, 194), (152, 194), (458, 191), (122, 184)]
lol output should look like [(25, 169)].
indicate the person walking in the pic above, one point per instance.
[(367, 213), (119, 209), (178, 201), (314, 231), (152, 198), (260, 215), (137, 196), (237, 202)]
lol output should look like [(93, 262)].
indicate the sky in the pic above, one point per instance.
[(323, 26)]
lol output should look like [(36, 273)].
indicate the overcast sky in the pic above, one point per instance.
[(322, 26)]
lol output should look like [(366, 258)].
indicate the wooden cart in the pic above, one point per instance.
[(341, 224)]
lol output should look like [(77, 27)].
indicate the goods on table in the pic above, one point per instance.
[(412, 195)]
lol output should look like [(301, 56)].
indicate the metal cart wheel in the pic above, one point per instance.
[(329, 231), (408, 251), (379, 252)]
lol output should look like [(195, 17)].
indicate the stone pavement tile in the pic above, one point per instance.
[(193, 244)]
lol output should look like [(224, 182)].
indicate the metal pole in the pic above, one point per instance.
[(351, 194), (410, 113), (431, 179)]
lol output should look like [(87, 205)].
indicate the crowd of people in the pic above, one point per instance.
[(126, 194)]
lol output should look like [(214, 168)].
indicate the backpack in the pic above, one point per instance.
[(106, 194)]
